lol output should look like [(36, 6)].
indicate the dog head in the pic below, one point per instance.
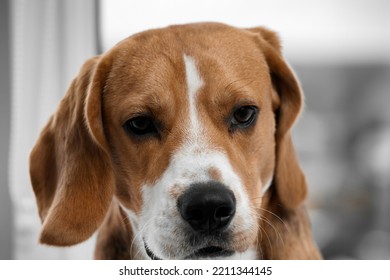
[(186, 127)]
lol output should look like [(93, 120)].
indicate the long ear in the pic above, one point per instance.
[(289, 180), (70, 166)]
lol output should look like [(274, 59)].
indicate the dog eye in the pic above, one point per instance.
[(140, 126), (244, 116)]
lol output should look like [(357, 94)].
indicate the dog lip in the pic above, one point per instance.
[(150, 253), (205, 252)]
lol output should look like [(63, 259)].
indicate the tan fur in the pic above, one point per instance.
[(72, 176), (84, 166)]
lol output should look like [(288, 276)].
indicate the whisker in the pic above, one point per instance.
[(258, 243), (279, 236), (269, 242), (138, 235), (276, 216)]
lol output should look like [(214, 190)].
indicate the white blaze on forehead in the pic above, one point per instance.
[(194, 83)]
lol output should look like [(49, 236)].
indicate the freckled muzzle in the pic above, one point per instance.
[(207, 207)]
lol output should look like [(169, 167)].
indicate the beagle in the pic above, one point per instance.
[(176, 144)]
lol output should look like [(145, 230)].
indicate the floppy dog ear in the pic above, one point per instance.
[(289, 180), (70, 166)]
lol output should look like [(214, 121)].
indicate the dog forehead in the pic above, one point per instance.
[(205, 42), (152, 62)]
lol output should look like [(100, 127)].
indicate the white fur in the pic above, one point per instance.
[(249, 254), (194, 83), (160, 223)]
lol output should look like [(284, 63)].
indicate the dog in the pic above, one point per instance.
[(176, 144)]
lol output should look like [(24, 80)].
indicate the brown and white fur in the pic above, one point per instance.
[(89, 173)]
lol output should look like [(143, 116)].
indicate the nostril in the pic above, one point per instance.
[(224, 212)]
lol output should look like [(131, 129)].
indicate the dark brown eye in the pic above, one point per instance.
[(243, 116), (140, 126)]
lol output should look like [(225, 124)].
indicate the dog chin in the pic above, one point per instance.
[(205, 253), (211, 252)]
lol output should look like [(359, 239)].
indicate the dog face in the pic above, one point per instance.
[(186, 127), (191, 121)]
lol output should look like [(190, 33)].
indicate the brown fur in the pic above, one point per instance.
[(84, 166)]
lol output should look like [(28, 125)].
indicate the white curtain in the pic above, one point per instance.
[(51, 40)]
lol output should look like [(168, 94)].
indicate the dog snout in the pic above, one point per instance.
[(207, 207)]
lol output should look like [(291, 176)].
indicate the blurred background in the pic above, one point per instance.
[(340, 51)]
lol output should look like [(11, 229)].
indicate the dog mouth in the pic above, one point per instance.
[(203, 253), (149, 252)]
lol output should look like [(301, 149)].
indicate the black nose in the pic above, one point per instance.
[(207, 207)]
